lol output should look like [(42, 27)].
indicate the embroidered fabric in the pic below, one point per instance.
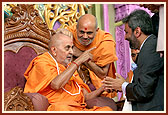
[(73, 76)]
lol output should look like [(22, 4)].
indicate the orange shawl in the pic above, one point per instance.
[(130, 75), (103, 54), (39, 74)]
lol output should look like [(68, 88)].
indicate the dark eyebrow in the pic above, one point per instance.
[(67, 46), (89, 32), (81, 31), (86, 32)]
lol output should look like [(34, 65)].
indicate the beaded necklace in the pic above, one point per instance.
[(59, 73)]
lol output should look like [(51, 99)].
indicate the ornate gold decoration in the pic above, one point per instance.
[(16, 100), (66, 14)]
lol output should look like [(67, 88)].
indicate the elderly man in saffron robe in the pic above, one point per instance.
[(53, 75)]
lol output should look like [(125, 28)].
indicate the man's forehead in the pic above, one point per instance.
[(86, 29), (87, 25), (127, 28)]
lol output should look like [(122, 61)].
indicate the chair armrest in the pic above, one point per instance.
[(16, 100), (39, 101)]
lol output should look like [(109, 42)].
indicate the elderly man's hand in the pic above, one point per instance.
[(86, 56), (110, 83)]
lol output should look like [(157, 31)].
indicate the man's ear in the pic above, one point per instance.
[(53, 50), (137, 32)]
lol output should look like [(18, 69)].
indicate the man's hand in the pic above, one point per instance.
[(113, 84), (85, 56)]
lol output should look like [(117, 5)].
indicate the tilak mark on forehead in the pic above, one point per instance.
[(85, 28)]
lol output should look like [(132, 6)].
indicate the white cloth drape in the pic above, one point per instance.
[(160, 40), (127, 105)]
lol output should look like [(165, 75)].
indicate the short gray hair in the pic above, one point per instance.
[(140, 18), (59, 31)]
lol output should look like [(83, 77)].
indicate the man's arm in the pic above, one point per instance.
[(101, 72), (60, 80), (93, 94)]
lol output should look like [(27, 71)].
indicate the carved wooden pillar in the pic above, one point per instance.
[(122, 46)]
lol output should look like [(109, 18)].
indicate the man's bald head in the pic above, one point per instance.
[(60, 46), (86, 29), (57, 37), (88, 19)]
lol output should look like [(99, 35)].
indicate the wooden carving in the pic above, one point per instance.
[(26, 28), (16, 100)]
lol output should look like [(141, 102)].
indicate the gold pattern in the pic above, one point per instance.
[(65, 14)]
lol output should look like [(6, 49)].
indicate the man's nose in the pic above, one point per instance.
[(71, 51), (126, 38), (85, 35)]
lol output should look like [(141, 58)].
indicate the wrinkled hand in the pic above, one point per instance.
[(110, 83), (77, 52), (85, 56)]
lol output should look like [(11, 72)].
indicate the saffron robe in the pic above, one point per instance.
[(130, 75), (103, 54), (39, 74)]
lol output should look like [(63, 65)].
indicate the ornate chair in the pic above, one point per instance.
[(25, 37)]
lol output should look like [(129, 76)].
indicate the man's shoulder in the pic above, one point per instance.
[(104, 40), (104, 35), (150, 42), (43, 58)]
